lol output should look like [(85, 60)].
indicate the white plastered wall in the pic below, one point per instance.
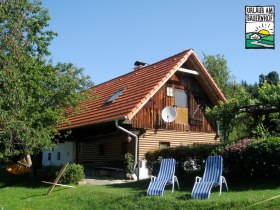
[(62, 153)]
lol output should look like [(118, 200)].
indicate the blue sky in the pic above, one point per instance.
[(106, 37)]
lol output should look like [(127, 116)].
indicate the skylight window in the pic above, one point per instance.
[(116, 95)]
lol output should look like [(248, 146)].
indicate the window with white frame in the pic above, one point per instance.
[(170, 91)]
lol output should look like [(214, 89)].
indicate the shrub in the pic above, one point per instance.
[(235, 156), (188, 158), (252, 157), (73, 174), (263, 157), (129, 163)]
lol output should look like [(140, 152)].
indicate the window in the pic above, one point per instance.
[(123, 148), (164, 144), (116, 95), (170, 91), (101, 149), (58, 156), (49, 156), (181, 98), (182, 107)]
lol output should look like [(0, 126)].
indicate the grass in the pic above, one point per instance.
[(20, 193)]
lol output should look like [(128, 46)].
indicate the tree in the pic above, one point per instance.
[(251, 89), (34, 94), (271, 78), (226, 114), (218, 69), (263, 112)]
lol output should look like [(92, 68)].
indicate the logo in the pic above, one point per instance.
[(259, 27)]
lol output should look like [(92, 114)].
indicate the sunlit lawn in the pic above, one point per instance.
[(21, 193)]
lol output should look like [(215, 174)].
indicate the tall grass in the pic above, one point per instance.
[(20, 193)]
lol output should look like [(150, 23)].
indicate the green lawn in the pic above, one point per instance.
[(20, 193)]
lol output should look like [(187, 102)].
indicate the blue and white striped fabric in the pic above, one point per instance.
[(167, 169), (165, 176), (201, 190), (212, 177), (156, 187), (213, 169)]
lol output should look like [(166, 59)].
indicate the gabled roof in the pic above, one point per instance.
[(139, 86)]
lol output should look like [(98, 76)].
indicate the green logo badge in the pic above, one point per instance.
[(259, 27)]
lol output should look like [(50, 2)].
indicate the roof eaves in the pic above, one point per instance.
[(69, 127)]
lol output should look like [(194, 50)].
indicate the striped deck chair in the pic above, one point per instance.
[(212, 177), (165, 176)]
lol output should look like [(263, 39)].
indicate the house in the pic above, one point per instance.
[(127, 114)]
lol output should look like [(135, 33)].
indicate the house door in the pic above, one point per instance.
[(181, 101)]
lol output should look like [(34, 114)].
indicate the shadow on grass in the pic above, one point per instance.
[(245, 183), (186, 196), (235, 184), (23, 180), (44, 194)]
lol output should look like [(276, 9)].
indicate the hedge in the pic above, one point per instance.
[(256, 157), (246, 157), (188, 158)]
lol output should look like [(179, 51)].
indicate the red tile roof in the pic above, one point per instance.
[(140, 85)]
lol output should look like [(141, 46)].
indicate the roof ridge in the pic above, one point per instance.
[(116, 78)]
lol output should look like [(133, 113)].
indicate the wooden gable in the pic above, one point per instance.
[(192, 118)]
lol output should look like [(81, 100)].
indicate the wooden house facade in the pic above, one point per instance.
[(127, 114)]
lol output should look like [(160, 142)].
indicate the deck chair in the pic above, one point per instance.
[(212, 177), (165, 176)]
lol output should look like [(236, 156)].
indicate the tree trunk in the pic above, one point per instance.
[(29, 164), (29, 161)]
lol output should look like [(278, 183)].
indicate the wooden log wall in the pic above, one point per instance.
[(150, 115), (88, 149), (151, 139)]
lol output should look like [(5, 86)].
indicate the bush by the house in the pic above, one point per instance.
[(129, 163), (258, 158), (73, 174), (189, 158), (235, 157)]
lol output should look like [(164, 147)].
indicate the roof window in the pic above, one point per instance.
[(116, 95)]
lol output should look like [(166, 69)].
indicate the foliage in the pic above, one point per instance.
[(34, 94), (269, 95), (240, 129), (226, 114), (49, 172), (250, 157), (271, 78), (188, 158), (234, 156), (218, 69), (129, 163), (73, 174), (251, 89), (262, 113)]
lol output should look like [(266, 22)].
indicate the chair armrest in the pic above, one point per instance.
[(198, 179)]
